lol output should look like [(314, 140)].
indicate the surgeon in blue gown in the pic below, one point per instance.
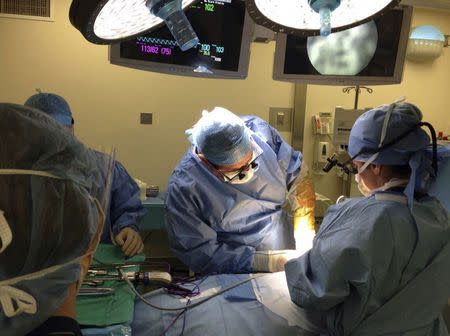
[(125, 209), (380, 264), (224, 198)]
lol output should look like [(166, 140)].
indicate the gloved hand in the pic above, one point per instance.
[(269, 261), (130, 241)]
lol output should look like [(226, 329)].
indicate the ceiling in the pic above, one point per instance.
[(437, 4)]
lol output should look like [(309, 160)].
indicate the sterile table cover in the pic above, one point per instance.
[(109, 309), (265, 309)]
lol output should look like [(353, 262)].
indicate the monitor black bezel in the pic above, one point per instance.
[(396, 78), (185, 70)]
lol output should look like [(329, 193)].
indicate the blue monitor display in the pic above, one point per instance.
[(224, 30)]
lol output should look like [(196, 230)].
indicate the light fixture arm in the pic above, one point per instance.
[(357, 92), (324, 8)]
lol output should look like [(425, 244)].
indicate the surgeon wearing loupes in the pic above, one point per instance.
[(380, 264), (225, 199)]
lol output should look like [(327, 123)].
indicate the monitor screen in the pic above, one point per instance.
[(224, 31), (369, 54)]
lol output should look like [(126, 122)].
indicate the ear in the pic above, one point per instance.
[(376, 169), (203, 159), (70, 128), (210, 166)]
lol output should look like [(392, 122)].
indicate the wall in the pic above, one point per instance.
[(426, 85), (106, 100)]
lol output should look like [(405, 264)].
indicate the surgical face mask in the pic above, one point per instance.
[(392, 183), (363, 189)]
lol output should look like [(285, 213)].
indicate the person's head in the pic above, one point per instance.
[(223, 141), (400, 130), (53, 105), (50, 220)]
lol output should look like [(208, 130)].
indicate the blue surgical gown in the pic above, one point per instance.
[(440, 187), (125, 207), (215, 226), (377, 269)]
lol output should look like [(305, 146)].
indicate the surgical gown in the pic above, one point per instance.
[(377, 269), (215, 226), (125, 207), (440, 187)]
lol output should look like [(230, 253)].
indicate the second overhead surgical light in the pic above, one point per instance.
[(300, 17)]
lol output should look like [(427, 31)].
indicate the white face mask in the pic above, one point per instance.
[(244, 176), (363, 189), (392, 183)]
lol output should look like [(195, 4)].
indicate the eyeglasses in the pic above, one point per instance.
[(239, 173)]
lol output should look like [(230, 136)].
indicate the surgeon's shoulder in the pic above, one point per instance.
[(377, 205), (255, 123), (433, 209), (185, 173), (263, 130), (340, 216), (361, 212)]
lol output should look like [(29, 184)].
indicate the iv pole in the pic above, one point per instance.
[(357, 92), (346, 183)]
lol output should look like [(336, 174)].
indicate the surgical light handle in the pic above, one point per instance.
[(172, 14)]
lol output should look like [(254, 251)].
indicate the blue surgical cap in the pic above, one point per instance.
[(53, 105), (366, 134), (222, 137), (410, 150)]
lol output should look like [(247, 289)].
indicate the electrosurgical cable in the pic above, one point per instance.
[(173, 322), (184, 292), (184, 319), (178, 282), (124, 276)]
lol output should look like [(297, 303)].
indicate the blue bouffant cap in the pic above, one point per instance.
[(366, 134), (385, 124), (221, 136), (53, 105)]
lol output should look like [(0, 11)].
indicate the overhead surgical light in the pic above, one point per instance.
[(111, 21), (312, 17)]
